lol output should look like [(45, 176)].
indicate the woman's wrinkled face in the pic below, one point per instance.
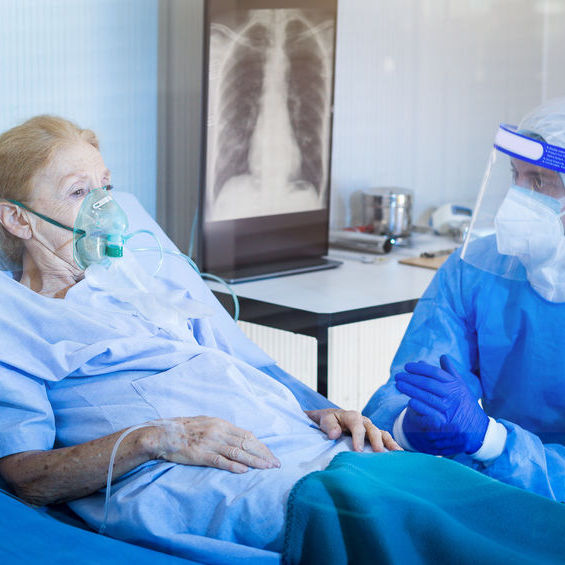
[(58, 191)]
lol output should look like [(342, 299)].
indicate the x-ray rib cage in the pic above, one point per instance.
[(269, 115)]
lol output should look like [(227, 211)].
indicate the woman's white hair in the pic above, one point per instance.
[(24, 151)]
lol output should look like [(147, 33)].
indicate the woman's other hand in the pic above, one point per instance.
[(335, 421), (210, 442)]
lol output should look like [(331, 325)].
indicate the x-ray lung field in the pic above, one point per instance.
[(269, 112)]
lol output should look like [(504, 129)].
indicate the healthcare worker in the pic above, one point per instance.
[(490, 326)]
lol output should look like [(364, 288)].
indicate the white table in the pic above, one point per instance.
[(365, 287)]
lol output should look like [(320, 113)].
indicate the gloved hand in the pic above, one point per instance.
[(443, 415)]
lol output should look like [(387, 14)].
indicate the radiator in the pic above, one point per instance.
[(360, 355)]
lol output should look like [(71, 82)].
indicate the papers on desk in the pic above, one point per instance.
[(432, 260), (426, 262)]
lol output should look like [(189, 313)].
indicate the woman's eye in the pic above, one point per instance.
[(79, 191)]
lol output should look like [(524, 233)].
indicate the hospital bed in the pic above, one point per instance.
[(56, 535)]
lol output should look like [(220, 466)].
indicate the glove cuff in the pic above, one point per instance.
[(398, 432), (493, 444)]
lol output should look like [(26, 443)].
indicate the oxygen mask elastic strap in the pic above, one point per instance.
[(43, 216)]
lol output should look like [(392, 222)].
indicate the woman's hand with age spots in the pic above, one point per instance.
[(211, 442)]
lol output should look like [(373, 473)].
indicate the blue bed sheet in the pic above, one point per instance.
[(31, 536)]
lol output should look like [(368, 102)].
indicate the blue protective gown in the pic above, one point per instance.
[(513, 340), (77, 369)]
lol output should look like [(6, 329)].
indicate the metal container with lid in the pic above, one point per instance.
[(388, 210)]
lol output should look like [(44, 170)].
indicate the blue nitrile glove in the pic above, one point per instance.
[(443, 415)]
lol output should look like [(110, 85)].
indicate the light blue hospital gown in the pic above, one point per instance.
[(77, 369), (513, 340)]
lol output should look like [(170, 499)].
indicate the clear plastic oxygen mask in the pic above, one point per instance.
[(100, 229)]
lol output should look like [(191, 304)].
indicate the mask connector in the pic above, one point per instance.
[(114, 246)]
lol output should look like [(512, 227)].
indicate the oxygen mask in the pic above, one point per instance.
[(100, 229)]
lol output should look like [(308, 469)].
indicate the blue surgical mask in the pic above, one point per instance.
[(99, 230)]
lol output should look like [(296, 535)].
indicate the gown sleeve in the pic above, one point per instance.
[(527, 463), (438, 326), (26, 417)]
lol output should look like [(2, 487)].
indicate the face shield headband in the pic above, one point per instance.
[(515, 144)]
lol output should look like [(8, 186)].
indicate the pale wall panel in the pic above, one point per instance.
[(421, 86), (295, 353), (180, 99), (360, 356)]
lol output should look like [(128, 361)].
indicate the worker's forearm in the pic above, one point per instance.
[(58, 475)]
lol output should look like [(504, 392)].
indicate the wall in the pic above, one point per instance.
[(94, 62), (181, 30), (422, 85)]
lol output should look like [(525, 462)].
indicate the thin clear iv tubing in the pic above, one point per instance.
[(102, 528), (158, 248)]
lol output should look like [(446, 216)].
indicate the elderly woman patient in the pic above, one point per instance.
[(92, 347)]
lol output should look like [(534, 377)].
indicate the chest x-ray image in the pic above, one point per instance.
[(269, 112)]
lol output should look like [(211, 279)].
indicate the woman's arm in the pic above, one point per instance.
[(59, 475)]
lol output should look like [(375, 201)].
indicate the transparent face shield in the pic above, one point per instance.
[(517, 229)]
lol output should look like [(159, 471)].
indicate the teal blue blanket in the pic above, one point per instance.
[(411, 508)]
